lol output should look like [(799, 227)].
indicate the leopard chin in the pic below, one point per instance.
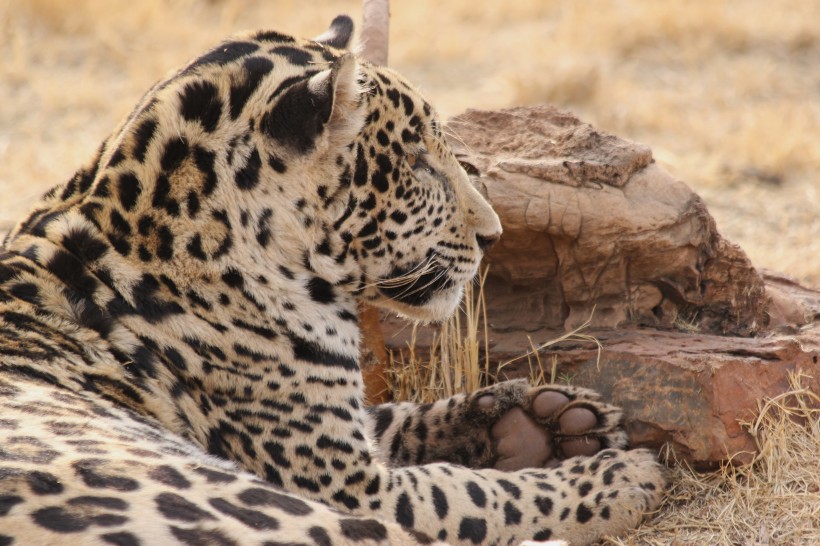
[(438, 308), (428, 297)]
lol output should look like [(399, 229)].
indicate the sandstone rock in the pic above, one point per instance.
[(687, 390), (591, 223), (374, 356)]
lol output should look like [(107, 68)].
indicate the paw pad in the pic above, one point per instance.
[(557, 423)]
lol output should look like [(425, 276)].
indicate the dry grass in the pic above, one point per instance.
[(725, 91), (773, 501), (455, 362)]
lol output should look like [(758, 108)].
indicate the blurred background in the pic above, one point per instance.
[(726, 92)]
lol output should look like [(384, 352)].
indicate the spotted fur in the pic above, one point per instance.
[(178, 331)]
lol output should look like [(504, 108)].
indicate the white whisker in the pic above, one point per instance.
[(442, 273), (422, 268)]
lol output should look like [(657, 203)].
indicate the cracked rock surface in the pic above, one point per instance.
[(591, 221)]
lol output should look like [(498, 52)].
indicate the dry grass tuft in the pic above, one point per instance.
[(537, 374), (455, 362), (458, 355)]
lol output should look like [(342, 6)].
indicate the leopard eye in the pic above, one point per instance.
[(418, 162), (469, 167)]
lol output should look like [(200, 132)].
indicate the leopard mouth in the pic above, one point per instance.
[(418, 285)]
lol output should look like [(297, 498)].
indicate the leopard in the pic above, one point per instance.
[(180, 345)]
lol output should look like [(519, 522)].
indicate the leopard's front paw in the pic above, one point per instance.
[(534, 427), (606, 494)]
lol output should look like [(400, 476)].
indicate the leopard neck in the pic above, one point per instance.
[(171, 331)]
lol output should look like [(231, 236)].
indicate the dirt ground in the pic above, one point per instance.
[(726, 92)]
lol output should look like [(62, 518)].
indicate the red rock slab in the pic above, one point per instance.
[(688, 390)]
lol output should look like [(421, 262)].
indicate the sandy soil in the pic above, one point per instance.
[(727, 93)]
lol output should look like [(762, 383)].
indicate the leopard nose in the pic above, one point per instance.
[(486, 242)]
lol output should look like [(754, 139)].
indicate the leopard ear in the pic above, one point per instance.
[(339, 34), (328, 101)]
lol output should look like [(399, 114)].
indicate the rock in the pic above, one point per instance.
[(590, 221), (693, 336), (687, 390), (374, 358)]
